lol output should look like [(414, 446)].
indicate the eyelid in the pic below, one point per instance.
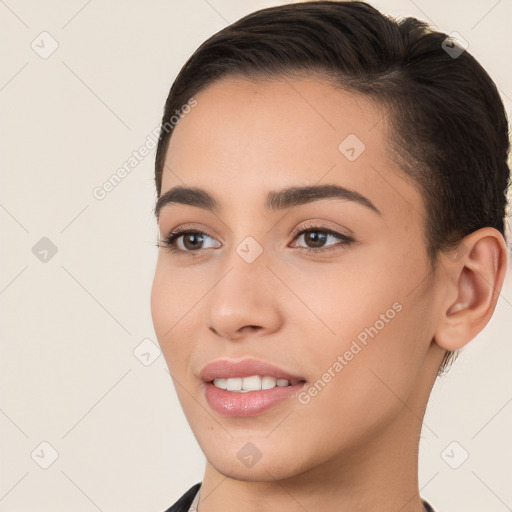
[(321, 226), (185, 228)]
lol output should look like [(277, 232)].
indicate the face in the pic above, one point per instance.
[(334, 289)]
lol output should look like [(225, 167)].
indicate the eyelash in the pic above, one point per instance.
[(169, 241)]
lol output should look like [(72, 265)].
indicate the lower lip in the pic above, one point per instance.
[(250, 403)]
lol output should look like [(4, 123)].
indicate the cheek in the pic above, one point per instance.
[(358, 387), (345, 297), (160, 302), (174, 294), (372, 327), (172, 305)]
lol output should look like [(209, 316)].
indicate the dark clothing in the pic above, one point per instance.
[(183, 504)]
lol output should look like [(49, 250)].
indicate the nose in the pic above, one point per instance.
[(241, 304)]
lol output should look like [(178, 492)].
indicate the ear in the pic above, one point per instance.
[(474, 274)]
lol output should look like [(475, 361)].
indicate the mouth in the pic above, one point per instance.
[(252, 383), (247, 387), (247, 374)]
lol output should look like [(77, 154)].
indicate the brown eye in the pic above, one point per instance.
[(189, 241), (192, 241), (316, 238)]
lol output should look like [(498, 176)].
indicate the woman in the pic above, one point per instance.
[(330, 210)]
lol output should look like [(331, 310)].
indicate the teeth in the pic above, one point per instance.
[(252, 383), (268, 382)]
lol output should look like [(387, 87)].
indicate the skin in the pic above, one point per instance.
[(354, 446)]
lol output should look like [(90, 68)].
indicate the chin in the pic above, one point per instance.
[(258, 460), (261, 471)]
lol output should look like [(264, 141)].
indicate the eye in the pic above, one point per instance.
[(186, 241), (316, 238)]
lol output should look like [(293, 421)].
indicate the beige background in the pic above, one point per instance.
[(69, 326)]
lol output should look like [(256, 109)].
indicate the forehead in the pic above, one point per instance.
[(246, 137), (267, 122)]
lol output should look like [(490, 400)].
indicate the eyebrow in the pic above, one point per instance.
[(274, 200)]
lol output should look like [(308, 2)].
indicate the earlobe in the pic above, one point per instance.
[(475, 279)]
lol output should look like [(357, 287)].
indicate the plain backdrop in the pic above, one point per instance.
[(89, 419)]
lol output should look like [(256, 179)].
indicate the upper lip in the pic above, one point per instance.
[(225, 368)]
